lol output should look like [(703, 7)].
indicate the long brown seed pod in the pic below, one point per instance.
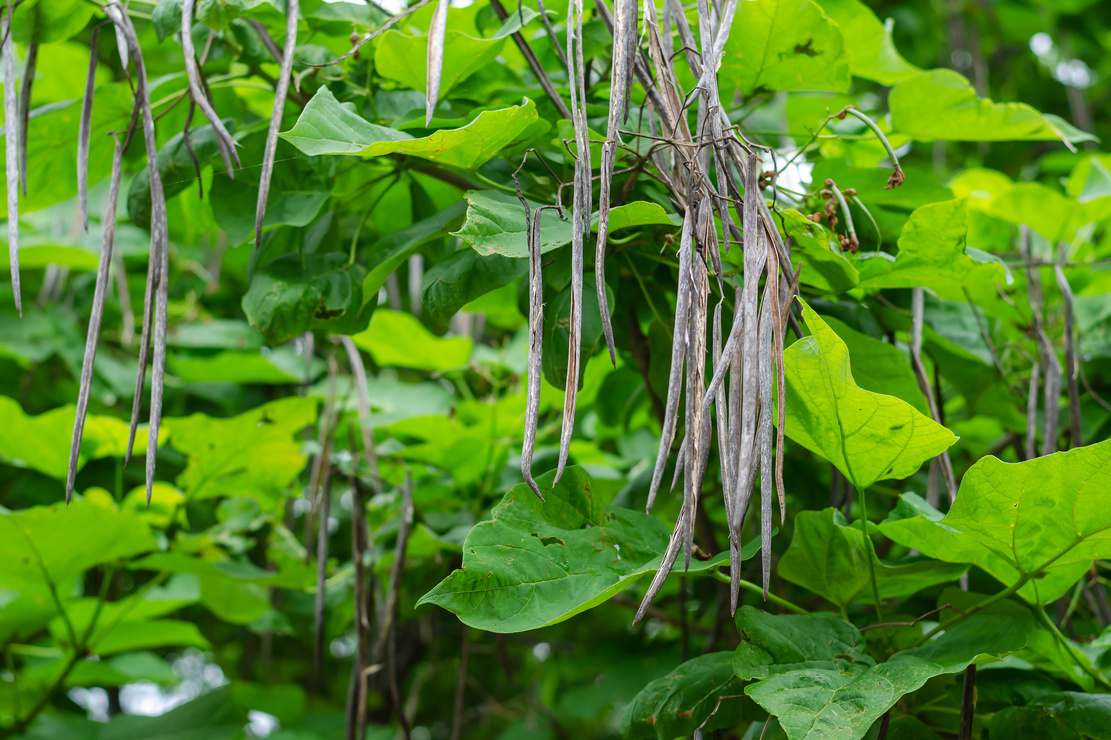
[(666, 564), (224, 139), (580, 227), (280, 92), (535, 347), (764, 434), (696, 372), (100, 293), (437, 34), (25, 86), (773, 297), (154, 317), (1070, 355), (85, 133), (678, 355), (11, 153), (621, 79)]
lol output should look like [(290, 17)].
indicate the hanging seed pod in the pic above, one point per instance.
[(100, 293), (280, 92), (678, 356), (25, 86), (764, 433), (580, 226), (224, 139), (697, 429), (158, 268), (11, 153), (85, 132), (437, 34), (535, 347)]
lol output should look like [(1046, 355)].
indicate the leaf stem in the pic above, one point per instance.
[(862, 495), (1084, 665), (897, 177), (1009, 591), (777, 600)]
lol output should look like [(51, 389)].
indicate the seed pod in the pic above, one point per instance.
[(437, 34), (11, 153), (224, 139), (280, 92)]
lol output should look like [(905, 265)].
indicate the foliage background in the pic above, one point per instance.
[(112, 610)]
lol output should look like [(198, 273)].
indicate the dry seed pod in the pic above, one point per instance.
[(224, 139), (280, 92), (437, 34), (11, 153)]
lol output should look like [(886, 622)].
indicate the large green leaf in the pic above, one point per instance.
[(1047, 211), (52, 145), (933, 251), (257, 453), (461, 278), (823, 264), (841, 701), (872, 53), (42, 442), (496, 223), (211, 716), (44, 546), (327, 126), (536, 563), (299, 188), (1067, 715), (396, 339), (176, 166), (868, 436), (1041, 522), (682, 701), (880, 367), (784, 45), (388, 254), (405, 58), (294, 294), (942, 105), (829, 557)]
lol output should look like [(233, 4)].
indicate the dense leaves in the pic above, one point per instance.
[(505, 238)]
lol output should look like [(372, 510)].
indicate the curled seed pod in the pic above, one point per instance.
[(224, 139)]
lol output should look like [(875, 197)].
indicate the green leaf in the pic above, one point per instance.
[(257, 453), (1064, 714), (933, 251), (1041, 522), (680, 702), (461, 278), (297, 293), (232, 601), (405, 58), (211, 568), (134, 634), (42, 442), (941, 105), (51, 20), (1047, 211), (388, 254), (1043, 650), (775, 644), (299, 188), (829, 557), (281, 366), (175, 165), (868, 44), (868, 436), (211, 716), (46, 545), (785, 45), (880, 367), (496, 223), (824, 266), (123, 669), (52, 135), (396, 339), (536, 563), (327, 126), (557, 331), (843, 700)]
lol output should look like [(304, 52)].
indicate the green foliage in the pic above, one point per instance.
[(338, 498)]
